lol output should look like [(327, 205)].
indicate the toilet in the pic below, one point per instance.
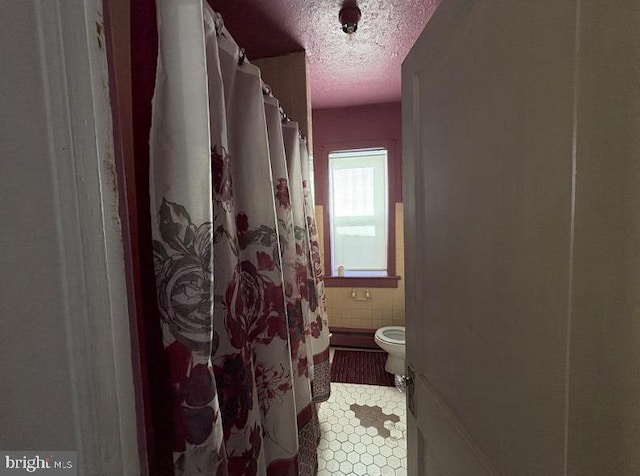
[(391, 340)]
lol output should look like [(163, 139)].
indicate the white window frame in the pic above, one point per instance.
[(384, 227)]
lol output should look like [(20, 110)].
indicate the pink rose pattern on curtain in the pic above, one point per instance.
[(301, 354), (310, 280), (320, 325), (229, 261)]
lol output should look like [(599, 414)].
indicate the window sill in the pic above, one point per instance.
[(361, 282)]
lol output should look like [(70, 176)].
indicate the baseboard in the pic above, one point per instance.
[(353, 337)]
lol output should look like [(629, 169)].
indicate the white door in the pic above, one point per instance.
[(522, 216)]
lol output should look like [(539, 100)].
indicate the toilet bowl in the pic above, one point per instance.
[(391, 340)]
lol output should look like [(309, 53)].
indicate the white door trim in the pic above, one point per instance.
[(73, 56)]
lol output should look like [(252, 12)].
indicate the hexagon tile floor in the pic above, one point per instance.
[(364, 431)]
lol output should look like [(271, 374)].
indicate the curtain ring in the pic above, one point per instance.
[(219, 23), (242, 57)]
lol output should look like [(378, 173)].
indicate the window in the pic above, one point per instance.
[(358, 212)]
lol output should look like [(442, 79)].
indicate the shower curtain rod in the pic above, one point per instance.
[(242, 58)]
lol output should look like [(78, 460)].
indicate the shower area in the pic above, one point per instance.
[(244, 315), (240, 294)]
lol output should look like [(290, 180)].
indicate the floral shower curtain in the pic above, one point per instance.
[(236, 259)]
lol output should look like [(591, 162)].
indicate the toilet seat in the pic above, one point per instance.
[(391, 335)]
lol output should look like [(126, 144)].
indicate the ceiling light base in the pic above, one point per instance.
[(349, 18)]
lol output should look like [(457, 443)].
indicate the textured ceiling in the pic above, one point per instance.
[(363, 68)]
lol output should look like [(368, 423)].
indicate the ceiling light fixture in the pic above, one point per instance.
[(349, 17)]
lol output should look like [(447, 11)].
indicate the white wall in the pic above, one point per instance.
[(66, 378)]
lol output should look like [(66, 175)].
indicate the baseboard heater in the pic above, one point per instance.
[(352, 337)]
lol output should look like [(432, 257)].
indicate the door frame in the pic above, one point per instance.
[(76, 91)]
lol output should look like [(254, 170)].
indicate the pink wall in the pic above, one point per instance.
[(353, 128), (358, 127)]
